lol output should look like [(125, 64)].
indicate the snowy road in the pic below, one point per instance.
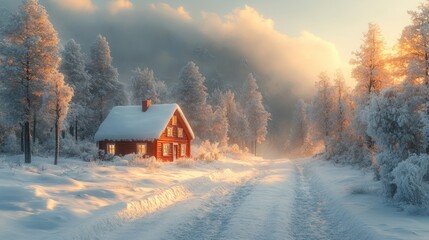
[(280, 201)]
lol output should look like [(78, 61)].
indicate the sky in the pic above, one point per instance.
[(340, 23), (286, 44)]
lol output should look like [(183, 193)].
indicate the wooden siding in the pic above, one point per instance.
[(127, 147), (154, 148)]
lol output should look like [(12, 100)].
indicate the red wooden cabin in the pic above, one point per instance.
[(159, 130)]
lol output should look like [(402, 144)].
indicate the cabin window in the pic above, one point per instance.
[(111, 148), (141, 148), (182, 150), (165, 149), (180, 132), (174, 120), (169, 132)]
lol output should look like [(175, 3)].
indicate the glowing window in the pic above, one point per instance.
[(174, 120), (141, 148), (111, 148), (182, 150), (165, 149), (169, 132), (180, 132)]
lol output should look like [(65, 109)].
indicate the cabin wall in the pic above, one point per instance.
[(127, 147), (174, 140)]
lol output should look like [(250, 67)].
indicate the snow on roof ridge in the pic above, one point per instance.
[(131, 123)]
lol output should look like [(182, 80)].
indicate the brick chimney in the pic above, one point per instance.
[(146, 104)]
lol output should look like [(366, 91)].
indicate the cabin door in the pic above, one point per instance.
[(174, 152)]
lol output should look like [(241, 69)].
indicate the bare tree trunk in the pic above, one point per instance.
[(22, 138), (34, 127), (75, 129), (27, 143), (57, 141), (27, 148)]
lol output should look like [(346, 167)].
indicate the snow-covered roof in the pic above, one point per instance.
[(131, 123)]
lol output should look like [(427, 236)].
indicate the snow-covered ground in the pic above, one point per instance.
[(226, 199)]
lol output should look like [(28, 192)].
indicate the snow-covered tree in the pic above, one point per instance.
[(58, 95), (299, 127), (343, 145), (162, 91), (192, 98), (143, 86), (254, 109), (371, 74), (413, 47), (238, 126), (410, 178), (30, 60), (414, 57), (219, 126), (75, 75), (106, 89), (394, 123), (341, 115), (371, 63), (321, 109)]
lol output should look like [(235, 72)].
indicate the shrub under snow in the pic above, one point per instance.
[(208, 151), (411, 179)]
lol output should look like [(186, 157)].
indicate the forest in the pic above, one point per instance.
[(382, 123), (55, 96)]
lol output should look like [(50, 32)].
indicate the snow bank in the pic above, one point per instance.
[(356, 191), (85, 200)]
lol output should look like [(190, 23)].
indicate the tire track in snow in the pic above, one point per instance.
[(318, 216), (213, 221), (310, 219)]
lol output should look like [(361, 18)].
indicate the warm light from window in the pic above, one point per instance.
[(111, 149), (141, 148), (169, 132), (180, 132), (165, 149), (174, 120)]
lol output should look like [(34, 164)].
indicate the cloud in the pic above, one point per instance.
[(297, 60), (120, 5), (76, 5), (166, 10)]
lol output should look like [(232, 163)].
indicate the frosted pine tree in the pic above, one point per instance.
[(394, 122), (412, 47), (255, 111), (238, 126), (342, 106), (161, 90), (106, 89), (143, 86), (219, 126), (192, 98), (30, 59), (414, 61), (58, 95), (342, 145), (371, 63), (371, 74), (322, 108), (75, 75), (299, 127)]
